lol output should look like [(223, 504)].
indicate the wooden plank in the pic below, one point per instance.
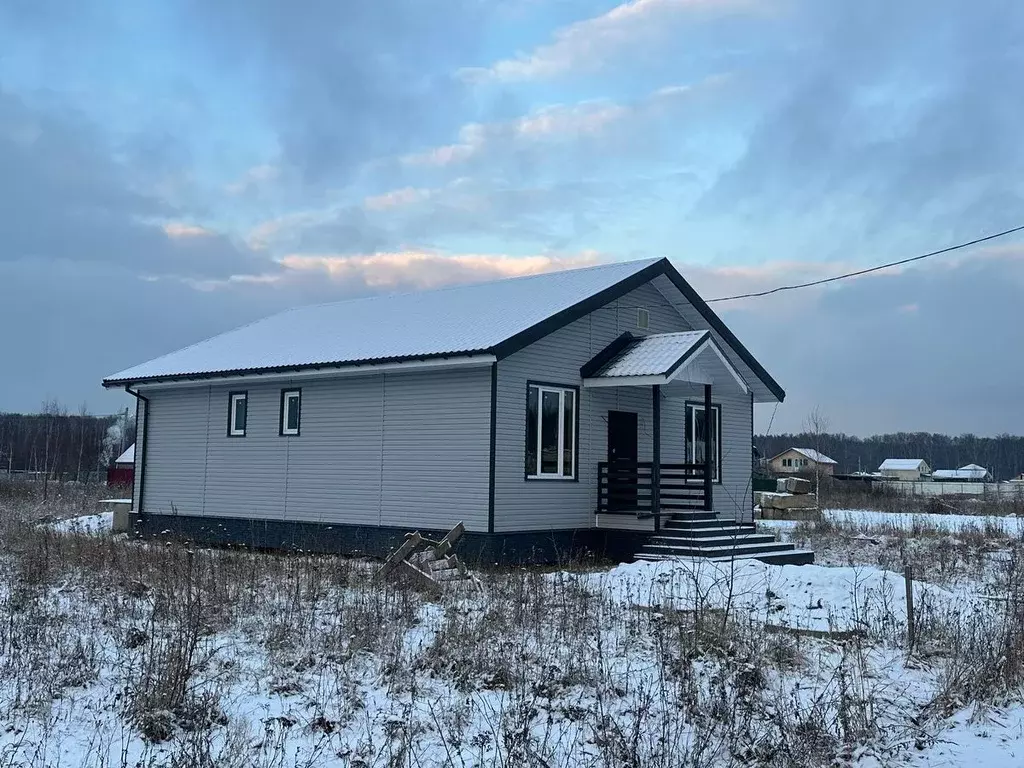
[(412, 540)]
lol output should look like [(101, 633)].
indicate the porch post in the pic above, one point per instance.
[(709, 504), (656, 457)]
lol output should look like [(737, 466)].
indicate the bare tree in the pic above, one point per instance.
[(817, 425)]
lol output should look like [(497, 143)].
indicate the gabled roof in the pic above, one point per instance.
[(968, 472), (655, 355), (816, 456), (128, 457), (902, 464), (496, 318)]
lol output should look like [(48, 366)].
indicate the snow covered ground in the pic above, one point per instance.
[(120, 653), (866, 519)]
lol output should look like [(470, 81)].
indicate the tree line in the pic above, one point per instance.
[(1003, 455), (60, 445)]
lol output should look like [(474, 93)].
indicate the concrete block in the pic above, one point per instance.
[(792, 501), (794, 485)]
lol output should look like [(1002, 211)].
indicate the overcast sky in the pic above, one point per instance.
[(170, 170)]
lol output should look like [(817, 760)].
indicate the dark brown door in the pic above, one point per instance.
[(622, 458)]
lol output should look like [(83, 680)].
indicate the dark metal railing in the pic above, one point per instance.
[(630, 488)]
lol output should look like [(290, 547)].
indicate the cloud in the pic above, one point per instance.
[(407, 270), (895, 128), (548, 126), (896, 350), (396, 198), (253, 179), (178, 229), (596, 43), (64, 197), (340, 84)]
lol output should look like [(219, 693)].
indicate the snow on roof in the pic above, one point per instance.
[(969, 472), (816, 456), (654, 355), (457, 320), (128, 457), (904, 464)]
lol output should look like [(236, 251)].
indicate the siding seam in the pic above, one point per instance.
[(383, 443), (206, 460)]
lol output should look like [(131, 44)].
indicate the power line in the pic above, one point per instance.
[(860, 272)]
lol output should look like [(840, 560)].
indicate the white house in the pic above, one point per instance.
[(802, 460), (904, 469), (969, 473)]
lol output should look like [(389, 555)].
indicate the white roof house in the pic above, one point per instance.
[(904, 469), (436, 326), (968, 473), (128, 457), (816, 456), (903, 465)]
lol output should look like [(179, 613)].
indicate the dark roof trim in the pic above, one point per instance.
[(690, 353), (634, 281), (518, 341), (606, 355), (719, 327), (287, 368), (558, 320)]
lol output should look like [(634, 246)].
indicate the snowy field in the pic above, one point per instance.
[(870, 520), (119, 653)]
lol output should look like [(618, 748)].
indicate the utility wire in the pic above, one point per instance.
[(860, 272)]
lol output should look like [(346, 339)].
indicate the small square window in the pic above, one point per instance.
[(643, 318), (291, 411), (238, 406)]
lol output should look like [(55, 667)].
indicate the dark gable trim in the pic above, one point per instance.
[(560, 319), (620, 289), (719, 327), (493, 447), (689, 353), (606, 355), (520, 340)]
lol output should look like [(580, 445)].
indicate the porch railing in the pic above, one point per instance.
[(629, 488)]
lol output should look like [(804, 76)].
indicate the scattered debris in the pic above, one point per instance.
[(430, 562)]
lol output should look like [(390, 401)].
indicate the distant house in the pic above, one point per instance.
[(122, 473), (904, 469), (800, 461), (970, 473), (573, 410)]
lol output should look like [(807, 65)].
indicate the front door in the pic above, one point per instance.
[(622, 458)]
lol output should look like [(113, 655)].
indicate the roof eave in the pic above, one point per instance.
[(112, 383)]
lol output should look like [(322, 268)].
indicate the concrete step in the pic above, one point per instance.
[(707, 530), (712, 541), (791, 557), (728, 550)]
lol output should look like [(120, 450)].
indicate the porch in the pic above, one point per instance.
[(672, 503)]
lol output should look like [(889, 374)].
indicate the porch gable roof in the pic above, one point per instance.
[(656, 359)]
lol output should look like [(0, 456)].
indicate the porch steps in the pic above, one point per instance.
[(702, 534)]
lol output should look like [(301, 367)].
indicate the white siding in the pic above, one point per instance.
[(404, 449), (522, 504)]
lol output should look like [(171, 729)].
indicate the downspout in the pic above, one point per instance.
[(140, 464)]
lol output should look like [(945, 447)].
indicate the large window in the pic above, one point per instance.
[(291, 411), (237, 412), (695, 437), (551, 416)]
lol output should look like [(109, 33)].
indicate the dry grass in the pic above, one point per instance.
[(185, 656)]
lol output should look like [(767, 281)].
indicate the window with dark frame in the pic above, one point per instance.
[(238, 406), (291, 411), (695, 437), (552, 413)]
